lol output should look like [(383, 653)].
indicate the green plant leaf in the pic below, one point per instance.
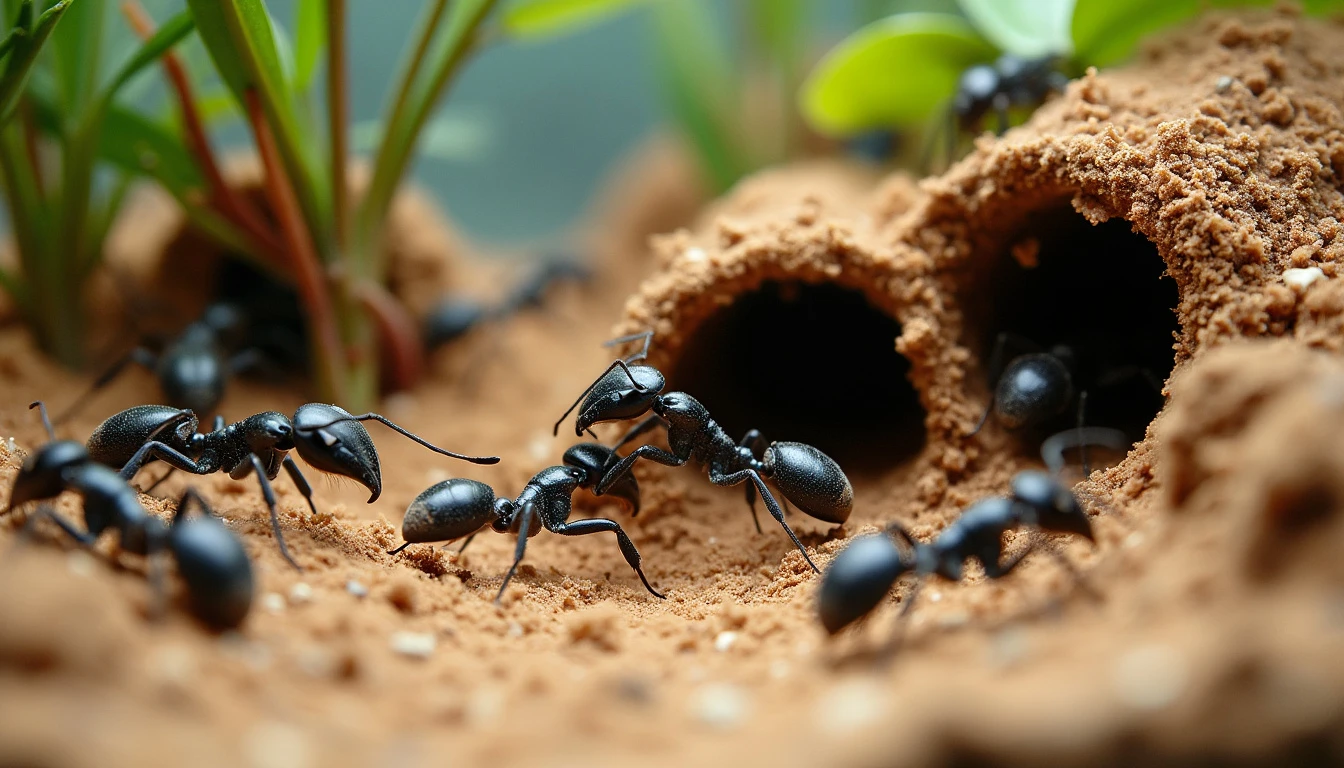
[(1106, 32), (138, 145), (165, 37), (212, 21), (1029, 28), (310, 38), (1323, 7), (893, 72), (25, 44), (698, 77), (538, 19), (78, 48)]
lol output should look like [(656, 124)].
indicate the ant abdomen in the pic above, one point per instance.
[(449, 510), (215, 567), (858, 579), (811, 480)]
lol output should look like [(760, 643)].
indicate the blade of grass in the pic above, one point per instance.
[(24, 54), (400, 136), (27, 210), (540, 19), (310, 37), (338, 110), (698, 78), (234, 206), (305, 267), (78, 51)]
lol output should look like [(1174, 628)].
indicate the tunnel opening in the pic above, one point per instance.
[(1102, 291), (809, 363)]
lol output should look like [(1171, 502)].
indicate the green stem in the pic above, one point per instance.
[(338, 109)]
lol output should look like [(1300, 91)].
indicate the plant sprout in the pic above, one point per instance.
[(49, 155), (325, 240), (901, 70)]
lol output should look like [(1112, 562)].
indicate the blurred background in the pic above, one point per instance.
[(522, 140)]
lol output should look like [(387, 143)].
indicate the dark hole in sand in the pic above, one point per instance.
[(1103, 291), (814, 364)]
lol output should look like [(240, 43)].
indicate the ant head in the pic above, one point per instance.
[(1053, 506), (858, 579), (1032, 389), (449, 510), (615, 398), (42, 475), (975, 87), (329, 438), (227, 321), (590, 461)]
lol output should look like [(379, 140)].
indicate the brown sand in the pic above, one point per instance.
[(1210, 615)]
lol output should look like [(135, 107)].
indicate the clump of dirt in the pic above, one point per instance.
[(1205, 623)]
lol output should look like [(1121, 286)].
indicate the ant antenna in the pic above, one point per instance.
[(406, 433), (46, 420), (623, 365), (643, 352)]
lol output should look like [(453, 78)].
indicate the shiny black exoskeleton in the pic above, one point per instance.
[(453, 317), (1011, 81), (806, 476), (863, 573), (210, 558), (459, 508), (327, 437), (193, 368)]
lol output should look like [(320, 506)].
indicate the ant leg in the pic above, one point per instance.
[(269, 494), (465, 543), (1054, 446), (300, 482), (734, 478), (651, 422), (520, 549), (622, 467), (898, 634), (752, 441), (155, 484), (404, 545), (140, 356), (49, 512), (600, 524), (1001, 112), (167, 454), (996, 570)]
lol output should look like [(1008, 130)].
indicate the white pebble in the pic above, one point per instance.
[(80, 563), (357, 589), (725, 641), (417, 645), (695, 255), (1150, 677), (852, 705), (721, 705), (276, 745), (1223, 84), (300, 593), (1301, 278), (515, 629), (273, 602)]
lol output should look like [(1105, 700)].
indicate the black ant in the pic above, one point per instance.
[(1033, 389), (193, 368), (327, 437), (210, 558), (460, 507), (1011, 81), (806, 476), (864, 572), (453, 317)]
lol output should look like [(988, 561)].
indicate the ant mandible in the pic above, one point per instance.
[(806, 476), (461, 507), (212, 561), (864, 572), (327, 437)]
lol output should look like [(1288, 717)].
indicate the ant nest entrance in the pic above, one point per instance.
[(1099, 294), (812, 363)]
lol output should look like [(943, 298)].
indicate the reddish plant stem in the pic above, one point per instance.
[(303, 262), (223, 197), (338, 104), (403, 360)]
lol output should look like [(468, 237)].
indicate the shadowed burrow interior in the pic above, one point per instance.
[(812, 363), (1100, 290)]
